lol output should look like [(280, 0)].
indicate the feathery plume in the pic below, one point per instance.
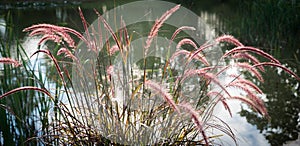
[(179, 52), (244, 55), (186, 41), (279, 66), (110, 70), (91, 43), (177, 31), (250, 94), (200, 49), (229, 39), (203, 73), (246, 82), (251, 49), (200, 57), (107, 26), (163, 92), (158, 24), (51, 28), (194, 115), (10, 61), (67, 53), (249, 68), (85, 25), (55, 33), (113, 49), (261, 109), (52, 37), (25, 88), (48, 53)]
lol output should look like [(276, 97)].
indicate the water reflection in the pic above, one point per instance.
[(2, 27), (67, 16), (283, 105), (61, 14), (247, 134)]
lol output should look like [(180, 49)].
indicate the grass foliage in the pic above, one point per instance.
[(155, 106)]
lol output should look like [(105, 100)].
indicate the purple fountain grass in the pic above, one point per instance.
[(107, 26), (179, 52), (195, 116), (193, 72), (85, 26), (53, 37), (252, 95), (208, 74), (252, 59), (54, 33), (200, 50), (10, 61), (203, 73), (278, 66), (91, 42), (248, 67), (94, 38), (220, 97), (229, 39), (113, 49), (200, 57), (68, 53), (259, 108), (114, 36), (224, 38), (48, 53), (163, 92), (44, 28), (154, 31), (125, 32), (110, 70), (211, 78), (177, 31), (186, 41), (246, 83), (250, 49), (25, 88), (158, 24)]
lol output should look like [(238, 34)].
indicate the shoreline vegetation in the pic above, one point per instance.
[(91, 119), (40, 116)]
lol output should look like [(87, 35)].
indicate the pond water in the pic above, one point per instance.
[(250, 129)]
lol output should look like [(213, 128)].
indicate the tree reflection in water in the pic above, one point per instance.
[(283, 104)]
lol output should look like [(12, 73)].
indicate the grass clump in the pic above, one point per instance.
[(173, 104)]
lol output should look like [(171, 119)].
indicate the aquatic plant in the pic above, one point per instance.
[(23, 111), (137, 115)]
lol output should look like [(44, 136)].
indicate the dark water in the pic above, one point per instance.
[(282, 91)]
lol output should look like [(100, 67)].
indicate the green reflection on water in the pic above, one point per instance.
[(274, 27)]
